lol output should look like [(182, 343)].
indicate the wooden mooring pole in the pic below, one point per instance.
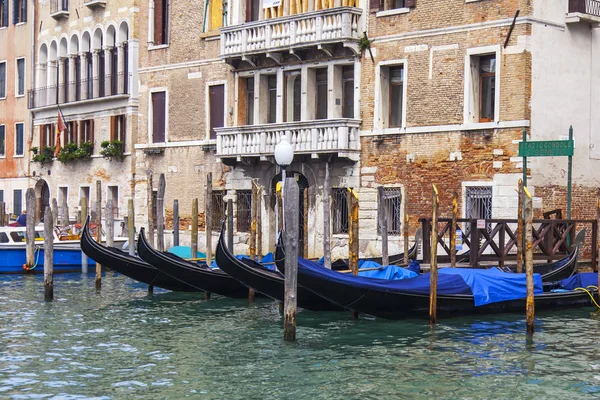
[(2, 213), (434, 269), (84, 215), (254, 200), (194, 233), (383, 227), (175, 222), (151, 206), (99, 231), (353, 239), (453, 230), (230, 225), (30, 228), (406, 227), (48, 255), (160, 213), (65, 213), (528, 232), (208, 218), (131, 226), (520, 228), (109, 217), (54, 211), (327, 218), (292, 221)]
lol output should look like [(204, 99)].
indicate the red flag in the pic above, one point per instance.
[(61, 127)]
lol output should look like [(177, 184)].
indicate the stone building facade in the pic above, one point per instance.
[(16, 27), (86, 71)]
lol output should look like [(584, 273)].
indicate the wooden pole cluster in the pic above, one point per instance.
[(453, 230), (84, 215), (528, 231), (520, 228), (99, 230), (150, 206), (434, 268), (109, 217), (327, 218), (292, 196), (194, 239), (131, 226), (48, 255), (30, 228), (208, 218), (160, 213), (406, 227), (383, 226)]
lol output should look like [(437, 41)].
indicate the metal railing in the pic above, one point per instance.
[(591, 7), (58, 5), (85, 89)]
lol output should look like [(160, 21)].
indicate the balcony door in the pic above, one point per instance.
[(252, 10), (293, 97), (217, 108)]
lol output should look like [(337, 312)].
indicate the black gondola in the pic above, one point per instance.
[(383, 299), (270, 283), (550, 272), (128, 265), (199, 276)]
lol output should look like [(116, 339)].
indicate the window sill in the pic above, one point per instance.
[(20, 23), (472, 1), (19, 95), (396, 11), (340, 236), (157, 47), (212, 35), (19, 156), (3, 98)]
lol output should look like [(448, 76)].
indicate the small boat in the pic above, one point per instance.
[(197, 275), (128, 265), (410, 297), (268, 282)]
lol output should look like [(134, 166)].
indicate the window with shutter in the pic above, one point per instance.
[(3, 13), (159, 100), (19, 139), (217, 108), (2, 79), (161, 22), (2, 140), (19, 11)]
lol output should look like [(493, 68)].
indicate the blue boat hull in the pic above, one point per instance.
[(65, 260)]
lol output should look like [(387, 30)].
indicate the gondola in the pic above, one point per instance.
[(550, 272), (410, 297), (199, 276), (268, 282), (128, 265)]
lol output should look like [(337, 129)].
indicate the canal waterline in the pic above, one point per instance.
[(123, 343)]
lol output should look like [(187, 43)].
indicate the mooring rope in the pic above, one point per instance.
[(590, 294)]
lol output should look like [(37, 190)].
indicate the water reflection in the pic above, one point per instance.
[(122, 342)]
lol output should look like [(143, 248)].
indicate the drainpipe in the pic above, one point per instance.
[(32, 87)]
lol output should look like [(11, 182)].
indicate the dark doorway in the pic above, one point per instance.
[(302, 206), (217, 108)]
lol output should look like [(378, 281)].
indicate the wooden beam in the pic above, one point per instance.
[(528, 220), (406, 226), (453, 230), (230, 225), (150, 206), (131, 226), (99, 230), (292, 195), (194, 240), (110, 223), (175, 222), (383, 227), (84, 215), (434, 270), (48, 255), (160, 213), (30, 228), (520, 228), (327, 218), (208, 218)]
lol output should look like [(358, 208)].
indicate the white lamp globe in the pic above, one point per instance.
[(284, 152)]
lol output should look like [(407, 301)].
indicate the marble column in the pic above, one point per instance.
[(108, 72), (51, 71), (62, 77), (72, 84), (83, 88), (96, 73), (121, 67)]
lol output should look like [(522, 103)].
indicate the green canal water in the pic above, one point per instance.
[(122, 343)]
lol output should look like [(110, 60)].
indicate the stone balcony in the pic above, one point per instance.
[(337, 137), (586, 11), (272, 37)]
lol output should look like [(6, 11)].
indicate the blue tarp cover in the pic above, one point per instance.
[(448, 284), (486, 286), (391, 272), (185, 252), (583, 280), (267, 261), (492, 285)]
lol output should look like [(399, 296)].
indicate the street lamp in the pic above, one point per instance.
[(284, 155)]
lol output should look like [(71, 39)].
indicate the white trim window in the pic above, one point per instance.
[(390, 89), (158, 121), (20, 77), (482, 85), (19, 139), (2, 141), (2, 79)]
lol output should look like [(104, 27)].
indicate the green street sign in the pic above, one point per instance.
[(546, 148)]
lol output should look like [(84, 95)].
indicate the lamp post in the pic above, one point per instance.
[(284, 155)]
